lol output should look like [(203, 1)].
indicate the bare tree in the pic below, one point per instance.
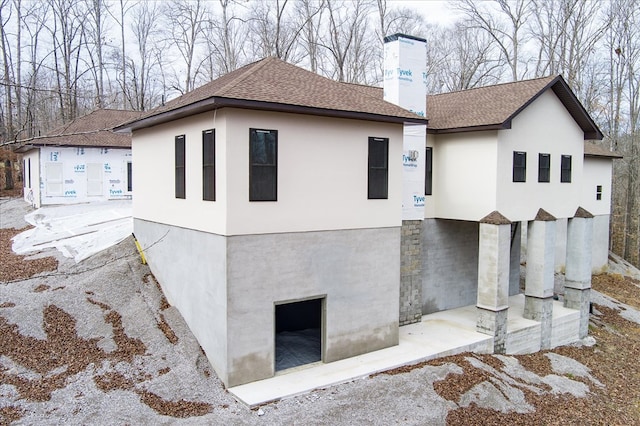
[(68, 38), (186, 22), (225, 36), (504, 23), (467, 59), (345, 39), (140, 92), (97, 11), (7, 71), (310, 13), (623, 43)]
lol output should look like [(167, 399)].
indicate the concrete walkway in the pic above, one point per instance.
[(437, 335)]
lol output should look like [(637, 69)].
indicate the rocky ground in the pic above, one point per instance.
[(97, 343)]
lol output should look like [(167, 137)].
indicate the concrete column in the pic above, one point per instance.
[(541, 244), (577, 282), (493, 278), (411, 272)]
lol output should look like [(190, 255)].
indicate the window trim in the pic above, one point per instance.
[(209, 165), (252, 165), (565, 172), (428, 171), (374, 193), (180, 154), (519, 168), (544, 172)]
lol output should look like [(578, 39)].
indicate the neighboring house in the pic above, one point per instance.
[(271, 204), (79, 162)]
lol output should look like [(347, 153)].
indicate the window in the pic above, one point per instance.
[(544, 167), (180, 166), (378, 168), (428, 172), (29, 167), (129, 177), (599, 192), (24, 173), (565, 168), (209, 165), (519, 166), (263, 163)]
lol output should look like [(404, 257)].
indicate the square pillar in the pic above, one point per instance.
[(577, 282), (493, 278), (541, 244)]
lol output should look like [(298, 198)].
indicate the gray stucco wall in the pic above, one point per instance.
[(191, 268), (449, 264), (357, 271)]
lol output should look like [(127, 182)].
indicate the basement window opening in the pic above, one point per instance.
[(298, 333)]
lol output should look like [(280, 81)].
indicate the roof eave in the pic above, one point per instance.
[(213, 103), (484, 127)]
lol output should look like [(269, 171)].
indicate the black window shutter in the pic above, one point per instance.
[(180, 181)]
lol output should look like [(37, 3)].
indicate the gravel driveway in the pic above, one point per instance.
[(97, 343)]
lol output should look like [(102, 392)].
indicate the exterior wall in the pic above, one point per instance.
[(600, 253), (154, 174), (449, 264), (322, 174), (191, 267), (73, 188), (597, 171), (464, 182), (357, 271), (545, 126), (32, 177)]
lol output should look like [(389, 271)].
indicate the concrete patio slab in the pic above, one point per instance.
[(437, 335)]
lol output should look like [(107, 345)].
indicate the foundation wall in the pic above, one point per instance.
[(356, 271), (191, 267), (449, 264)]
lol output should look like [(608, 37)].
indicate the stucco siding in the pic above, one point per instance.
[(464, 167), (597, 172), (356, 271), (154, 174), (191, 267), (450, 264), (322, 174), (545, 126)]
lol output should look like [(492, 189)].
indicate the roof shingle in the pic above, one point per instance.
[(92, 130), (272, 84)]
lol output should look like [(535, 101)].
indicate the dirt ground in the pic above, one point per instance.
[(97, 343)]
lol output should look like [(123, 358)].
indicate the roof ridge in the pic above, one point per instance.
[(552, 76), (250, 69)]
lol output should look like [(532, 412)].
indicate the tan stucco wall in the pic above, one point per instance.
[(322, 174), (544, 126)]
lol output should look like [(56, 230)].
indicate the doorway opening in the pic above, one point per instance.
[(298, 333)]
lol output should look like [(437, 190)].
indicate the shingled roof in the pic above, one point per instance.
[(92, 130), (274, 85), (593, 150), (494, 107)]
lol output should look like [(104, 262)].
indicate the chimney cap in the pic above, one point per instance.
[(396, 36)]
